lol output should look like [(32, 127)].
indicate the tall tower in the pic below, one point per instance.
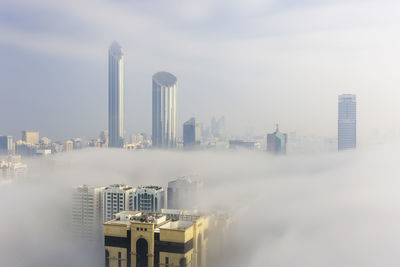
[(347, 122), (115, 95), (277, 142), (164, 110)]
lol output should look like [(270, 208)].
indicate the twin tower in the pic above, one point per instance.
[(164, 103)]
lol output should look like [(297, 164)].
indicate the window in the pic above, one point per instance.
[(166, 261), (119, 259), (107, 258)]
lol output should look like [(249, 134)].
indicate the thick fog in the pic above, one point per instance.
[(336, 209)]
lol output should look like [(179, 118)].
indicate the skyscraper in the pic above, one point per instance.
[(149, 198), (115, 95), (6, 145), (86, 211), (276, 142), (164, 110), (116, 198), (183, 193), (191, 133), (347, 122)]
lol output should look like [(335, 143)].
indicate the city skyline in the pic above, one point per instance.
[(272, 67)]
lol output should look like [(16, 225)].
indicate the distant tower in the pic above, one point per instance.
[(347, 122), (276, 142), (164, 110), (115, 95), (191, 133), (6, 145)]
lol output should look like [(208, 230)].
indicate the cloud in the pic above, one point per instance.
[(331, 210)]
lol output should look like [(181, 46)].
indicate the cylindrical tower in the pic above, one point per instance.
[(164, 110)]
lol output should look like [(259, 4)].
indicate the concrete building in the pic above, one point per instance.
[(6, 145), (191, 133), (164, 110), (183, 193), (347, 120), (276, 142), (138, 239), (115, 95), (30, 137), (149, 198), (87, 211), (117, 198)]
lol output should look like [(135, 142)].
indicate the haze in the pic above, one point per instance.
[(256, 62), (336, 210)]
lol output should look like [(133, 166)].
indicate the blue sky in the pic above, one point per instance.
[(256, 62)]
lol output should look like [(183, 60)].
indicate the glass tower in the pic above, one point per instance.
[(347, 122), (115, 95), (164, 110)]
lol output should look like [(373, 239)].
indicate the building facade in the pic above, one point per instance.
[(116, 198), (87, 211), (183, 193), (277, 142), (164, 110), (191, 133), (6, 145), (347, 120), (149, 198), (115, 95), (136, 239), (30, 137)]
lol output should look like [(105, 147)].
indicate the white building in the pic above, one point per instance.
[(347, 122), (12, 167), (87, 211), (183, 193), (164, 110), (149, 198), (115, 95), (117, 198)]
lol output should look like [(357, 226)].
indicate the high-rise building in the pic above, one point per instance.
[(117, 198), (115, 95), (191, 133), (347, 122), (86, 211), (276, 142), (149, 198), (134, 238), (30, 137), (183, 193), (6, 145), (164, 110)]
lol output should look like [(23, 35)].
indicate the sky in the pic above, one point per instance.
[(257, 62), (338, 209)]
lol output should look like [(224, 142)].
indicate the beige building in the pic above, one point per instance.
[(137, 239), (30, 137)]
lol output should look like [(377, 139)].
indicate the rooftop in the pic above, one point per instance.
[(177, 225), (164, 78)]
